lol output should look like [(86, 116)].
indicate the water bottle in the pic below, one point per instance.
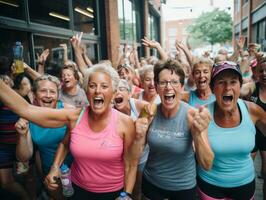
[(66, 181), (18, 57), (123, 196)]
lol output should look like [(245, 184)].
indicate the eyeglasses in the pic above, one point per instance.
[(173, 83), (122, 89)]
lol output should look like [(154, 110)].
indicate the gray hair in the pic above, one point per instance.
[(45, 77), (124, 83), (103, 68), (144, 70)]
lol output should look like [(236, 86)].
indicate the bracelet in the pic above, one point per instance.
[(128, 194), (54, 167), (41, 63)]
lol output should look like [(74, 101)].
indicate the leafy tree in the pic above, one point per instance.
[(213, 27)]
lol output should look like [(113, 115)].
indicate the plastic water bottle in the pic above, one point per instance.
[(66, 181), (18, 57), (123, 196)]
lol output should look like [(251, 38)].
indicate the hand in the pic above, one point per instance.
[(64, 46), (22, 127), (76, 41), (52, 178), (142, 126), (199, 120), (241, 42), (42, 58), (150, 43), (179, 44)]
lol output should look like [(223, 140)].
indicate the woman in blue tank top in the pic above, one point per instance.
[(232, 137), (201, 74), (45, 140), (170, 171)]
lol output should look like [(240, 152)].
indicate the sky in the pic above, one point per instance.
[(185, 9)]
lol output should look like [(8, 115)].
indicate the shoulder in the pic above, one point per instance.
[(255, 111)]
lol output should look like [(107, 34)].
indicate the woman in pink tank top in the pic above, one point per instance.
[(100, 138)]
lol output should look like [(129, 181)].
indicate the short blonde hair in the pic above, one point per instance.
[(103, 68), (202, 60)]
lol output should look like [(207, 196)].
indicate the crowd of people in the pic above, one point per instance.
[(180, 127)]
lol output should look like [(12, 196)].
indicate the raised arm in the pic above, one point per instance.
[(41, 61), (198, 121), (64, 46), (46, 117), (61, 153), (24, 147), (153, 44), (31, 72)]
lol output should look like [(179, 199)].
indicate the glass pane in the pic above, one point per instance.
[(49, 12), (121, 19), (128, 20), (12, 8), (91, 51), (55, 59), (85, 16), (8, 38)]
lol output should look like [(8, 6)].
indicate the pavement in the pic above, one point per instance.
[(259, 182)]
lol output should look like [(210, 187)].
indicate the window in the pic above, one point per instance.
[(237, 5), (55, 59), (154, 31), (129, 18), (85, 16), (13, 9), (172, 32), (8, 38), (50, 12)]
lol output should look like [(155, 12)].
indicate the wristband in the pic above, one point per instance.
[(127, 194)]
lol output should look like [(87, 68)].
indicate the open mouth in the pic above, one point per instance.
[(47, 103), (169, 97), (228, 98), (98, 101), (202, 82), (118, 100)]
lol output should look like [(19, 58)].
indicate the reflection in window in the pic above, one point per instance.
[(8, 38), (55, 59), (127, 20), (154, 31), (85, 16), (49, 12), (12, 8)]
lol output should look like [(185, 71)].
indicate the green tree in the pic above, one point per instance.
[(213, 27)]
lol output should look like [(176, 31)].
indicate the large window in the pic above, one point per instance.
[(50, 12), (129, 20), (85, 16), (13, 9)]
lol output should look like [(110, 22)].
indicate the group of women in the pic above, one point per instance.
[(204, 150)]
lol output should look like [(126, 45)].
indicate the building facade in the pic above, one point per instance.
[(250, 21), (106, 24)]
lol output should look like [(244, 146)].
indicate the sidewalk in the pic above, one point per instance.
[(258, 193)]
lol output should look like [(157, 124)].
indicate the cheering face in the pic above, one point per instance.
[(68, 79), (100, 92), (122, 97), (262, 74), (46, 94), (202, 76), (148, 83), (126, 74), (169, 89), (25, 87), (227, 90)]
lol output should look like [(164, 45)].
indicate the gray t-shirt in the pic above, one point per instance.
[(78, 100), (171, 161)]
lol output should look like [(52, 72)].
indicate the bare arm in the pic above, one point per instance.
[(76, 44), (46, 117), (41, 61), (61, 153), (24, 147), (153, 44), (31, 72), (64, 46), (198, 122), (258, 116)]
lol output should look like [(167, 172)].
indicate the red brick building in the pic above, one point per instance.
[(250, 21)]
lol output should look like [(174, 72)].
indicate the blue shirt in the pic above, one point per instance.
[(195, 101), (47, 140), (232, 164)]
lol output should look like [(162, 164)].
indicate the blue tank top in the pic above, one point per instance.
[(171, 161), (46, 140), (232, 164), (195, 101)]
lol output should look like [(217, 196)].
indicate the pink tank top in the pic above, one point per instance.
[(98, 156)]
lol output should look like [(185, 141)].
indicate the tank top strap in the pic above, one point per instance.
[(81, 114), (134, 113)]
